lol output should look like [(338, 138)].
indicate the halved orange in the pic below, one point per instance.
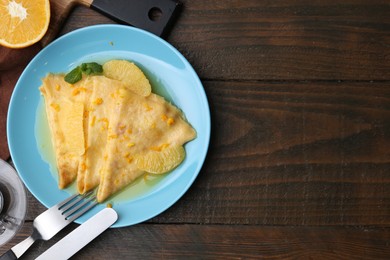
[(23, 22)]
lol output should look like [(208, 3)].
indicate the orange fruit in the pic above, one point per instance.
[(129, 74), (159, 162), (23, 22)]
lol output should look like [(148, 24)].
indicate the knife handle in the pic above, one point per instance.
[(155, 16), (9, 255)]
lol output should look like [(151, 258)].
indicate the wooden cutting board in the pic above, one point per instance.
[(133, 12)]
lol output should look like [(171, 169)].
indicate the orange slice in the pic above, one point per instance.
[(129, 74), (23, 22), (163, 161)]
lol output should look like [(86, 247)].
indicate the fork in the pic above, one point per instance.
[(50, 222)]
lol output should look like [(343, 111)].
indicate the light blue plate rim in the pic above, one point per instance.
[(109, 40)]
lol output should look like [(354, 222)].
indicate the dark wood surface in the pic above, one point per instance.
[(299, 159)]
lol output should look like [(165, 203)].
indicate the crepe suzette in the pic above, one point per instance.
[(65, 106), (126, 131)]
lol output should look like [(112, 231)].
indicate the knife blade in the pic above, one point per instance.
[(155, 16), (81, 236)]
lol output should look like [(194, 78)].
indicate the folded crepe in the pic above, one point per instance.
[(65, 111), (138, 125), (100, 108), (99, 126)]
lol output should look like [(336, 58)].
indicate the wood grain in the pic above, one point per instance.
[(299, 159), (59, 12), (293, 154), (286, 40), (280, 40), (226, 242)]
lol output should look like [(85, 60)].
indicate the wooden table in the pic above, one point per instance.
[(299, 159)]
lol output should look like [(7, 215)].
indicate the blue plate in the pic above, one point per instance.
[(171, 75)]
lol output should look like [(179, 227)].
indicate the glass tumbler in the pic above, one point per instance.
[(13, 202)]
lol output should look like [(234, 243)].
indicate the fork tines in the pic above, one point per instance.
[(77, 205)]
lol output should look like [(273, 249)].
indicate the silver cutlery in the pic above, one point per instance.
[(81, 236), (54, 219)]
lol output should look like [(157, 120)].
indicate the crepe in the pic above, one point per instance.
[(138, 125), (65, 111), (99, 126), (100, 109)]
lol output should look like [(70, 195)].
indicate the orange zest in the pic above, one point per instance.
[(23, 22)]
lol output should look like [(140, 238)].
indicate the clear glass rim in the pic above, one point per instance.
[(14, 210)]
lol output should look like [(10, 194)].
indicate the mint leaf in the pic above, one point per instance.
[(83, 66), (87, 71), (87, 68), (74, 75), (91, 68)]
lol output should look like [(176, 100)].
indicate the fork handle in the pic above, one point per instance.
[(9, 255)]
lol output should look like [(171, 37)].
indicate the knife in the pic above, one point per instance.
[(81, 236)]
